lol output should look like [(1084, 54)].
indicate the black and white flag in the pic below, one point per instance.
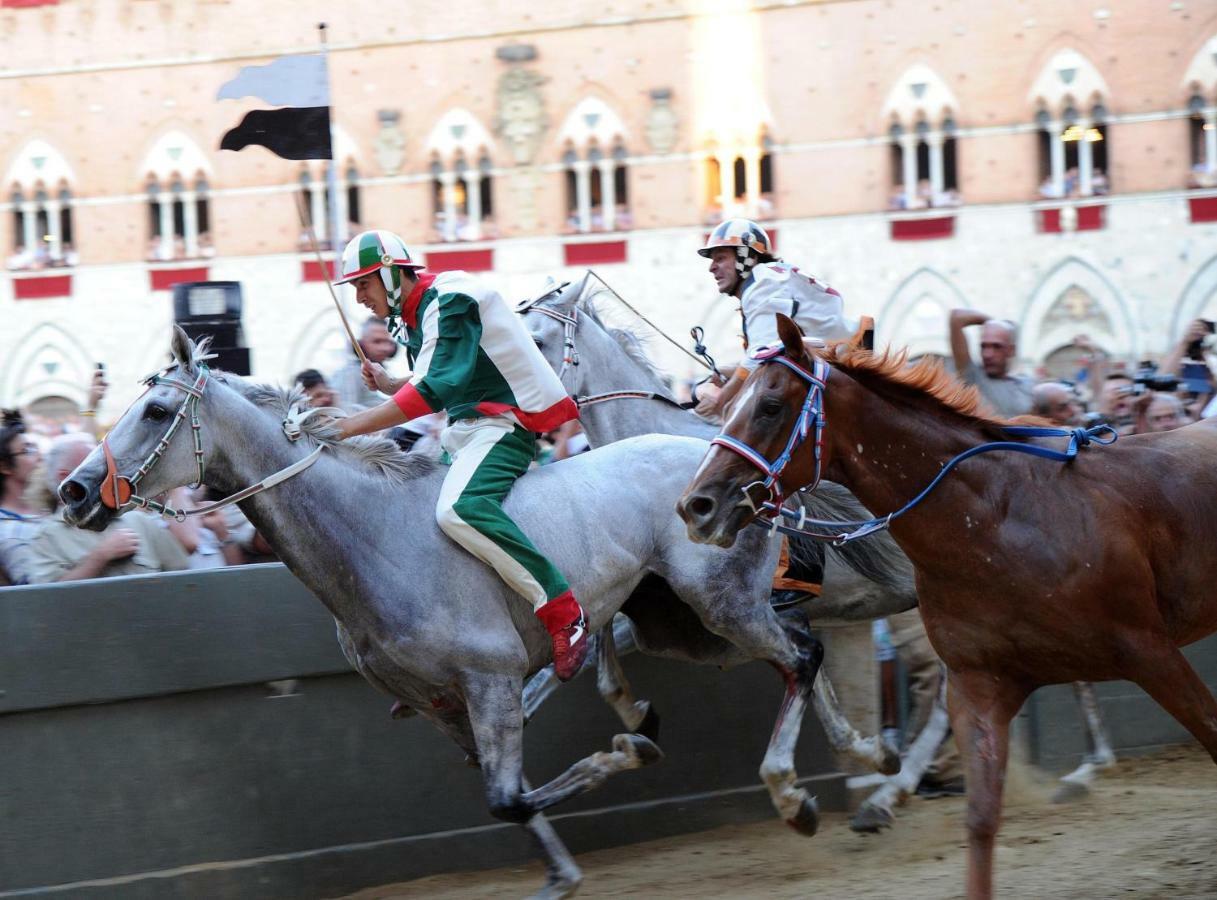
[(300, 128)]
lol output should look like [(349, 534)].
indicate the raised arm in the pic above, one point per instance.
[(958, 321)]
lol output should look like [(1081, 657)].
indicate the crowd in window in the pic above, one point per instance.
[(179, 216), (42, 228)]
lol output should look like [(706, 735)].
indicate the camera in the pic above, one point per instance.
[(1195, 350), (1147, 377)]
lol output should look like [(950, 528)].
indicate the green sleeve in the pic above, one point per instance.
[(456, 351)]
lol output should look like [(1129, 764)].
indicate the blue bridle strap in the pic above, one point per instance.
[(845, 531)]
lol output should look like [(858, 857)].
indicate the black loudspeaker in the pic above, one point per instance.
[(213, 308)]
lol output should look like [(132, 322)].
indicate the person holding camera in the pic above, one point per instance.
[(1188, 361)]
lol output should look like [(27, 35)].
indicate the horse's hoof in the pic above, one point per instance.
[(557, 889), (638, 748), (889, 762), (871, 819), (649, 726), (1070, 792), (807, 820)]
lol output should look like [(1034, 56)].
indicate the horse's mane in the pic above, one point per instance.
[(890, 373), (381, 455)]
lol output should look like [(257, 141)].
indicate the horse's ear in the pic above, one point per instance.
[(864, 337), (792, 337), (182, 348)]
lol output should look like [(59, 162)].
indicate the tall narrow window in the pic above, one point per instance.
[(1202, 134), (594, 161), (1077, 154), (179, 218), (40, 189), (923, 164)]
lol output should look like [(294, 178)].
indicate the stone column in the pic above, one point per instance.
[(908, 168), (583, 194), (608, 192), (343, 216), (190, 221), (473, 202), (752, 180), (1056, 157), (29, 225), (447, 182), (316, 197), (55, 227), (937, 177), (1085, 161), (165, 208), (1210, 140), (726, 183)]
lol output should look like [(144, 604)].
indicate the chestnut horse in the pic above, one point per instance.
[(1029, 571)]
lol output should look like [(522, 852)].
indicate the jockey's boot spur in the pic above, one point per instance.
[(564, 620)]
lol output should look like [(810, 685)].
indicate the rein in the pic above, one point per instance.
[(118, 491), (812, 412)]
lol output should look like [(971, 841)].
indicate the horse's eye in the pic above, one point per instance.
[(770, 407), (156, 413), (540, 343)]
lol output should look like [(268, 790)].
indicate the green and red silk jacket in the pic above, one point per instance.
[(472, 356)]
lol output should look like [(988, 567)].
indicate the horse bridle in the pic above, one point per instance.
[(570, 354), (811, 417), (118, 491)]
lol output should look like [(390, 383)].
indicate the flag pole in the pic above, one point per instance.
[(337, 225), (335, 218)]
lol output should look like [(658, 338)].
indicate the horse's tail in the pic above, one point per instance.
[(876, 558)]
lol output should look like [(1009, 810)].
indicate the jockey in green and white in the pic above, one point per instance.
[(471, 356)]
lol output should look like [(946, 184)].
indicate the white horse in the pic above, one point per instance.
[(427, 624)]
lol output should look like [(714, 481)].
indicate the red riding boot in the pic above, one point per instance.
[(563, 619)]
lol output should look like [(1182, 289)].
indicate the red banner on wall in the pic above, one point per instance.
[(467, 260), (164, 279), (40, 287), (594, 253), (923, 229)]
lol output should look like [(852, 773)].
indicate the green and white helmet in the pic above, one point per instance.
[(383, 250)]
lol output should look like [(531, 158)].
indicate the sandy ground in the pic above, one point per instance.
[(1148, 830)]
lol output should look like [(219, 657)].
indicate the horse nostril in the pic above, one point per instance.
[(701, 506), (72, 492)]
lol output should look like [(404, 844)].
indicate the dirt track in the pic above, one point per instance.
[(1150, 830)]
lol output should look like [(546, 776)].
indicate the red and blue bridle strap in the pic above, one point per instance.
[(810, 418)]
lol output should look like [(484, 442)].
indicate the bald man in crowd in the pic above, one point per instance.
[(1008, 394), (1057, 403)]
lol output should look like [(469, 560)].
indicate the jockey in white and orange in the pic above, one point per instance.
[(743, 265), (471, 356)]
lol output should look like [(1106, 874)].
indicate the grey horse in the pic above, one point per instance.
[(427, 624), (624, 396)]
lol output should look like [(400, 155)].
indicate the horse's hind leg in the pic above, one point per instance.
[(637, 715), (875, 812), (873, 751), (497, 719), (1100, 756), (1166, 675), (609, 645)]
